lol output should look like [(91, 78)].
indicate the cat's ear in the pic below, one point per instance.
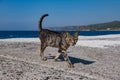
[(65, 34), (76, 34)]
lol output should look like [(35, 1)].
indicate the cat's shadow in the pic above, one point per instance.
[(74, 60)]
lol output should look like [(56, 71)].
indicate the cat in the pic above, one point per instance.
[(62, 41)]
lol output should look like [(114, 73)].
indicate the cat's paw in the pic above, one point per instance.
[(55, 60), (44, 59), (71, 66)]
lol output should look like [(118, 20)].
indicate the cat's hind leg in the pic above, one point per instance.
[(42, 48)]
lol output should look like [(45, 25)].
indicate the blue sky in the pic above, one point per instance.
[(25, 14)]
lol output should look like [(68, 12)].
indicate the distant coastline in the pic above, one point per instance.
[(108, 26)]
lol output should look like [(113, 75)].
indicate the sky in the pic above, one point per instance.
[(25, 14)]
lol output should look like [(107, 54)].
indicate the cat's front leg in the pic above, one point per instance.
[(57, 56), (66, 57)]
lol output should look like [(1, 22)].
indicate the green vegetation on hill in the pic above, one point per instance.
[(114, 25)]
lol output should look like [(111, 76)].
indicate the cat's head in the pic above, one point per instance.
[(71, 39)]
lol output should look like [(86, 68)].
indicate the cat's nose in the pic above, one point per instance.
[(72, 41)]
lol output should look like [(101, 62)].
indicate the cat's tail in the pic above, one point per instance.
[(40, 22)]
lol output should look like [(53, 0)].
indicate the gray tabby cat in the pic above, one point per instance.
[(62, 41)]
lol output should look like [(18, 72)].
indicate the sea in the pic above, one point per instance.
[(35, 34)]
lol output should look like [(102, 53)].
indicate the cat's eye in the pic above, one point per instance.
[(75, 40)]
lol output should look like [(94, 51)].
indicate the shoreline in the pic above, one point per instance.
[(87, 41)]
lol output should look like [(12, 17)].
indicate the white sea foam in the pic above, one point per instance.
[(99, 41), (21, 40), (89, 41), (102, 36)]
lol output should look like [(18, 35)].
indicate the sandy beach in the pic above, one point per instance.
[(94, 58)]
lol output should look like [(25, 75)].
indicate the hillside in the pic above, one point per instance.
[(114, 25)]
